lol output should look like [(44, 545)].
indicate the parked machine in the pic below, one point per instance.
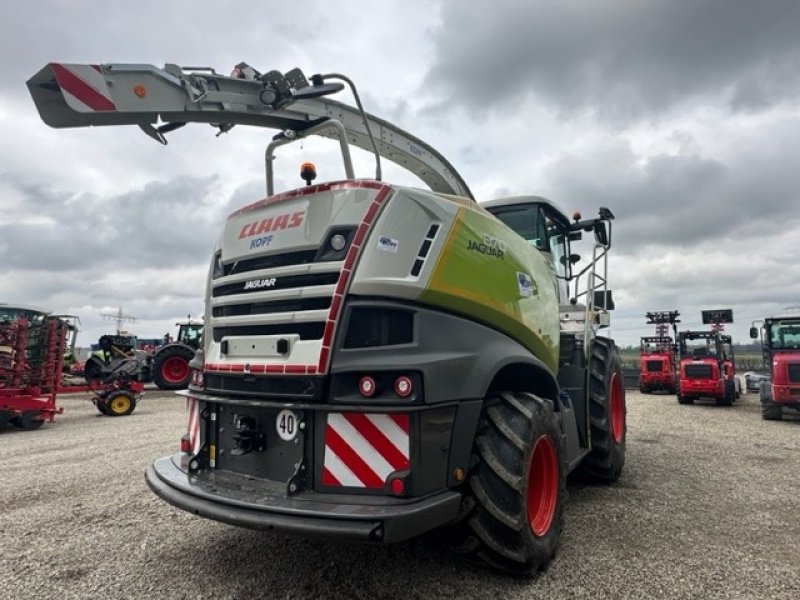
[(658, 354), (707, 362), (780, 343), (117, 357), (378, 361), (32, 344), (170, 364)]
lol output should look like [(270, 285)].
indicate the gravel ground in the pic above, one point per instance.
[(707, 507)]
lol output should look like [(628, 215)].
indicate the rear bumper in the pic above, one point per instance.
[(786, 394), (382, 520), (689, 387)]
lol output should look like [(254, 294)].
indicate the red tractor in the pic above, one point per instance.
[(171, 361), (780, 342), (706, 368), (657, 360), (657, 365)]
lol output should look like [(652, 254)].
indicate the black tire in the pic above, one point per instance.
[(644, 389), (93, 370), (516, 510), (119, 403), (607, 413), (171, 367), (730, 393), (29, 419), (771, 412), (685, 399), (5, 418), (100, 404)]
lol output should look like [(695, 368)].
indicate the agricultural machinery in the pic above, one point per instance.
[(780, 343), (170, 362), (32, 344), (657, 354), (707, 362), (117, 357), (378, 361)]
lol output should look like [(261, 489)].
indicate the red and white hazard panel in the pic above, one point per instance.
[(84, 87), (363, 449), (193, 424)]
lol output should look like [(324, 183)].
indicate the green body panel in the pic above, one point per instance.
[(492, 275)]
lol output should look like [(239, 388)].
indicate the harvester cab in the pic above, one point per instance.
[(780, 344), (657, 354), (377, 360)]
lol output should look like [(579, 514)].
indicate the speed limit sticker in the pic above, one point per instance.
[(287, 424)]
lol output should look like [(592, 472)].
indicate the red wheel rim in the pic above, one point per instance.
[(542, 486), (174, 370), (616, 408)]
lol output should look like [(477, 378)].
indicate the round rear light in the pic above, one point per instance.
[(366, 386), (397, 486), (403, 386)]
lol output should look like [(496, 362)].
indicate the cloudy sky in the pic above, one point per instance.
[(683, 117)]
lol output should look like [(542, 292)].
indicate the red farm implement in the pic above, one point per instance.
[(31, 355)]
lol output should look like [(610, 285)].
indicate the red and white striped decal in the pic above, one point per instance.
[(363, 449), (84, 87), (193, 424)]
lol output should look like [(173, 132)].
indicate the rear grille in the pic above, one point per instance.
[(277, 306), (654, 366), (270, 262), (265, 283), (793, 371), (698, 371)]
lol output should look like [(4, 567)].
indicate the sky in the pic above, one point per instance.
[(682, 117)]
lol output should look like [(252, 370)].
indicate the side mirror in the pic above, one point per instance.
[(601, 233), (753, 333)]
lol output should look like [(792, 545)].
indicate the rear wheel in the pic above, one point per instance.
[(171, 367), (5, 418), (771, 412), (517, 486), (93, 370), (607, 414), (685, 399), (28, 419)]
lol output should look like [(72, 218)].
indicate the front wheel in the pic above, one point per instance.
[(120, 403), (607, 413), (517, 486)]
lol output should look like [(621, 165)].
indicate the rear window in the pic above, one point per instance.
[(698, 371), (654, 365)]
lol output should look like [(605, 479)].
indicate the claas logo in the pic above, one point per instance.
[(284, 221)]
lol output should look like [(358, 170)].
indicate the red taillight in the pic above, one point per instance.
[(186, 444), (366, 386), (397, 486), (403, 386)]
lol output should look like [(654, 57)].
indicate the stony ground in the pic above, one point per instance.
[(707, 508)]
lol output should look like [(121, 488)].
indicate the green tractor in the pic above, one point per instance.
[(170, 364)]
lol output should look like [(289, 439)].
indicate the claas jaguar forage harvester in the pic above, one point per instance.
[(379, 361)]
